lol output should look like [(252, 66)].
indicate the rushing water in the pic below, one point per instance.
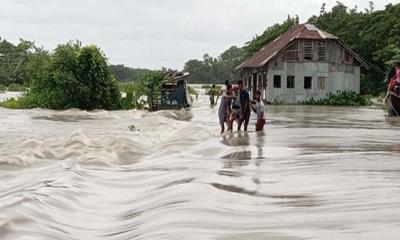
[(315, 173)]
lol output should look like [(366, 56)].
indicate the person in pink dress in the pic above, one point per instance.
[(394, 80)]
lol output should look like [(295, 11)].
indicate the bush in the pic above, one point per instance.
[(134, 92), (341, 98), (152, 83), (72, 77), (126, 86), (2, 88), (23, 102)]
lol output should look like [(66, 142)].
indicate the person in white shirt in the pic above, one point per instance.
[(259, 109)]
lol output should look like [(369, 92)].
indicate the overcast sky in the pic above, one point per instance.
[(153, 33)]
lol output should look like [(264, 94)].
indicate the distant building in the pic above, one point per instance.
[(304, 62)]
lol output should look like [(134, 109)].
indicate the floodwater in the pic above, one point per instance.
[(315, 173)]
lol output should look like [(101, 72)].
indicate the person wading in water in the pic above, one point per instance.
[(222, 91), (244, 107), (259, 110), (225, 108), (212, 92)]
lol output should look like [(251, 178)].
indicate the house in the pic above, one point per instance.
[(303, 62)]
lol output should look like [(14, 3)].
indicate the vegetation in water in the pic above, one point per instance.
[(138, 94), (192, 91), (71, 77), (341, 98)]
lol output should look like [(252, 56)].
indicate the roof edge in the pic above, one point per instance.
[(355, 55)]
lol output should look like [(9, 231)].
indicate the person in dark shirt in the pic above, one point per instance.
[(212, 92), (244, 107)]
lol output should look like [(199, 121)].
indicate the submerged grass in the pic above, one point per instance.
[(341, 98), (24, 102)]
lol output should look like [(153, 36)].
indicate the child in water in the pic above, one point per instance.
[(259, 110)]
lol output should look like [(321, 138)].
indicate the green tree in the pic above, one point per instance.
[(36, 65), (197, 70), (215, 70), (97, 88), (269, 35), (152, 83), (75, 77), (374, 35), (125, 74), (12, 61)]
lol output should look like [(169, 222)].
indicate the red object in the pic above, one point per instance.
[(392, 84), (393, 100), (260, 125)]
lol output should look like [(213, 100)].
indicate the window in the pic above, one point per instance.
[(308, 50), (307, 82), (277, 81), (290, 81), (322, 51), (321, 83)]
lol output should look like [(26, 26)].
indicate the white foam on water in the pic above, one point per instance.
[(76, 147), (4, 222)]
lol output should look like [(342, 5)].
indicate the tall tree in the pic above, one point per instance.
[(269, 35)]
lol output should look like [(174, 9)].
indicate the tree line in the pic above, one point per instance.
[(374, 35), (127, 74)]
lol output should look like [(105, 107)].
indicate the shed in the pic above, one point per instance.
[(174, 93)]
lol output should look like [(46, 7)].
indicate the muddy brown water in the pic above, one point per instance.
[(314, 173)]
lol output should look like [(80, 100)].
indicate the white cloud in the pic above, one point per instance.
[(152, 33)]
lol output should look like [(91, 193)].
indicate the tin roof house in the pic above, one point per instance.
[(303, 62)]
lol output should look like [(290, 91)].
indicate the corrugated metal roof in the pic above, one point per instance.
[(302, 31)]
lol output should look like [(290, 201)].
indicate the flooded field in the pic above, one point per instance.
[(315, 173)]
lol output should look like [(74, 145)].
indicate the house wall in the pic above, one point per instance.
[(335, 81)]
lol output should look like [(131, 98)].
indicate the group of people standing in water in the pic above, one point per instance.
[(236, 106)]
